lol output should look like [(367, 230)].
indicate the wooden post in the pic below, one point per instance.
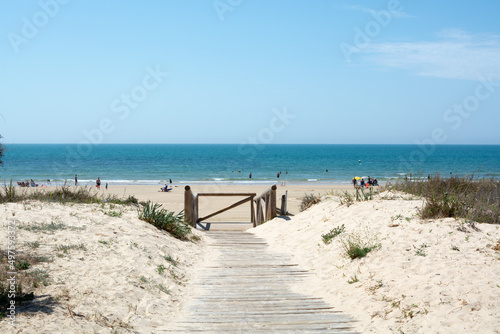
[(282, 207), (283, 203), (195, 211), (262, 212), (258, 219), (188, 206), (272, 203), (252, 213), (266, 206)]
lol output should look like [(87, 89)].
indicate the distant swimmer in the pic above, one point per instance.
[(250, 175)]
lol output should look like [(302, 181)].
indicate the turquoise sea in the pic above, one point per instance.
[(232, 164)]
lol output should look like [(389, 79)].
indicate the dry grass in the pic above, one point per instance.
[(27, 279), (309, 200), (475, 200), (63, 194)]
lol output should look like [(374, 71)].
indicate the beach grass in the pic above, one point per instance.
[(165, 220), (26, 279), (328, 237), (309, 200), (358, 244), (472, 199), (63, 194)]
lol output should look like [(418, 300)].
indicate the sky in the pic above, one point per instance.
[(240, 71)]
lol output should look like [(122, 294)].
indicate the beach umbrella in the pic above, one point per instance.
[(357, 177)]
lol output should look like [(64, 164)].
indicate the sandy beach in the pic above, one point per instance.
[(109, 271), (174, 199)]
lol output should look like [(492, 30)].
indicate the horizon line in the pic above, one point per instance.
[(251, 144)]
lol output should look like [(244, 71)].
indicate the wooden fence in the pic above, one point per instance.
[(262, 207)]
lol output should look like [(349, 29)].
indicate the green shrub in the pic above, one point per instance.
[(165, 220), (22, 265), (357, 246), (66, 248), (113, 213), (328, 237)]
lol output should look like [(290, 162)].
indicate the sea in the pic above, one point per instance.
[(154, 164)]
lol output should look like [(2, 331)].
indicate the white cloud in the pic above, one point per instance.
[(453, 33), (457, 55)]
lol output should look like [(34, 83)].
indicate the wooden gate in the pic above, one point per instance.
[(262, 208)]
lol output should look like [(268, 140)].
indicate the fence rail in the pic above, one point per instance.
[(262, 207)]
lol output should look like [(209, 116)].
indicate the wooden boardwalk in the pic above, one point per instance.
[(246, 289)]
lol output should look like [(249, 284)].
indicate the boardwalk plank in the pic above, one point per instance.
[(248, 291)]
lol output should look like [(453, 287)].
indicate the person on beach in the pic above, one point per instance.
[(76, 179), (106, 186), (362, 182), (98, 183), (354, 182)]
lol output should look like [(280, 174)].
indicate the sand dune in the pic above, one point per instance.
[(110, 276), (426, 276), (110, 271)]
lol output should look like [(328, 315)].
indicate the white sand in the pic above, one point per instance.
[(112, 280), (113, 284), (414, 283)]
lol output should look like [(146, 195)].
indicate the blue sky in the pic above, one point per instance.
[(237, 71)]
